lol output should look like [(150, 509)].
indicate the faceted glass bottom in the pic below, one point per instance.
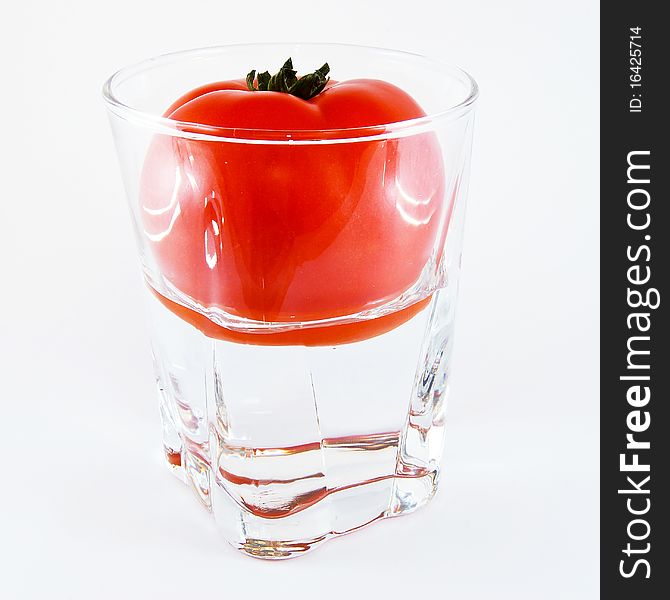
[(288, 446)]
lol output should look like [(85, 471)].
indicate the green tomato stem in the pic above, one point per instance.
[(286, 81)]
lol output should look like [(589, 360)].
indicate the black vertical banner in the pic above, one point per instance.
[(635, 260)]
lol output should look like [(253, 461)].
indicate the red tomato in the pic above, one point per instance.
[(293, 232)]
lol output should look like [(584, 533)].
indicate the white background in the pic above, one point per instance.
[(88, 511)]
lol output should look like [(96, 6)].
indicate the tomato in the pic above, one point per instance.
[(293, 232)]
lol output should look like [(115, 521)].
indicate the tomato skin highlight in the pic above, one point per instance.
[(291, 232), (233, 84)]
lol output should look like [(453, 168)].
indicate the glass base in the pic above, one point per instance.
[(366, 503), (357, 506), (289, 446)]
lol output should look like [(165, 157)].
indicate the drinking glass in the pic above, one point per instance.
[(301, 287)]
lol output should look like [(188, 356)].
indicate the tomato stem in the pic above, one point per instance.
[(286, 81)]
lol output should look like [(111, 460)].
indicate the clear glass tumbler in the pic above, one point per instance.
[(301, 287)]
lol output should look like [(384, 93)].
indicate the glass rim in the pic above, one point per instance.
[(198, 131)]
